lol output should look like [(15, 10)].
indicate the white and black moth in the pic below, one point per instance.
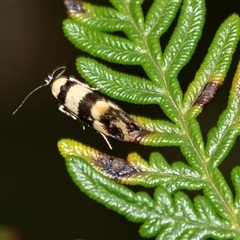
[(79, 101)]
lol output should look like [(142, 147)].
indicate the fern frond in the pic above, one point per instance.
[(123, 34)]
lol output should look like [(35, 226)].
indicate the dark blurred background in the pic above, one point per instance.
[(38, 199)]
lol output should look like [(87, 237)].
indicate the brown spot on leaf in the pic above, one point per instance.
[(74, 6), (115, 168), (207, 94)]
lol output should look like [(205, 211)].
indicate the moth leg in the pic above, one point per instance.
[(105, 138), (62, 109)]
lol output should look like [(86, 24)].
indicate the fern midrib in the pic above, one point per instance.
[(198, 153), (219, 143), (210, 181), (230, 211), (151, 58), (207, 173), (188, 135)]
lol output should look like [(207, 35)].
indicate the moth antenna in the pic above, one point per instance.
[(105, 138), (24, 100), (58, 71)]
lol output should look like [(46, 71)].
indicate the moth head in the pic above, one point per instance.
[(57, 72)]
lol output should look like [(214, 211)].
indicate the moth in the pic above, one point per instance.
[(81, 102)]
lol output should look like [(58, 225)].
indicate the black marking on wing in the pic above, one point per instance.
[(64, 91), (86, 105), (109, 120), (117, 123)]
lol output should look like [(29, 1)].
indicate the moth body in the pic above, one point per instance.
[(79, 101)]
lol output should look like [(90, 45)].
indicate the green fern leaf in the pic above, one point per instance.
[(98, 17), (195, 145), (159, 139), (163, 216), (118, 85), (235, 175), (222, 137), (183, 219), (158, 126), (109, 48), (213, 70), (173, 178), (135, 170), (185, 37), (223, 191), (103, 190), (157, 22)]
